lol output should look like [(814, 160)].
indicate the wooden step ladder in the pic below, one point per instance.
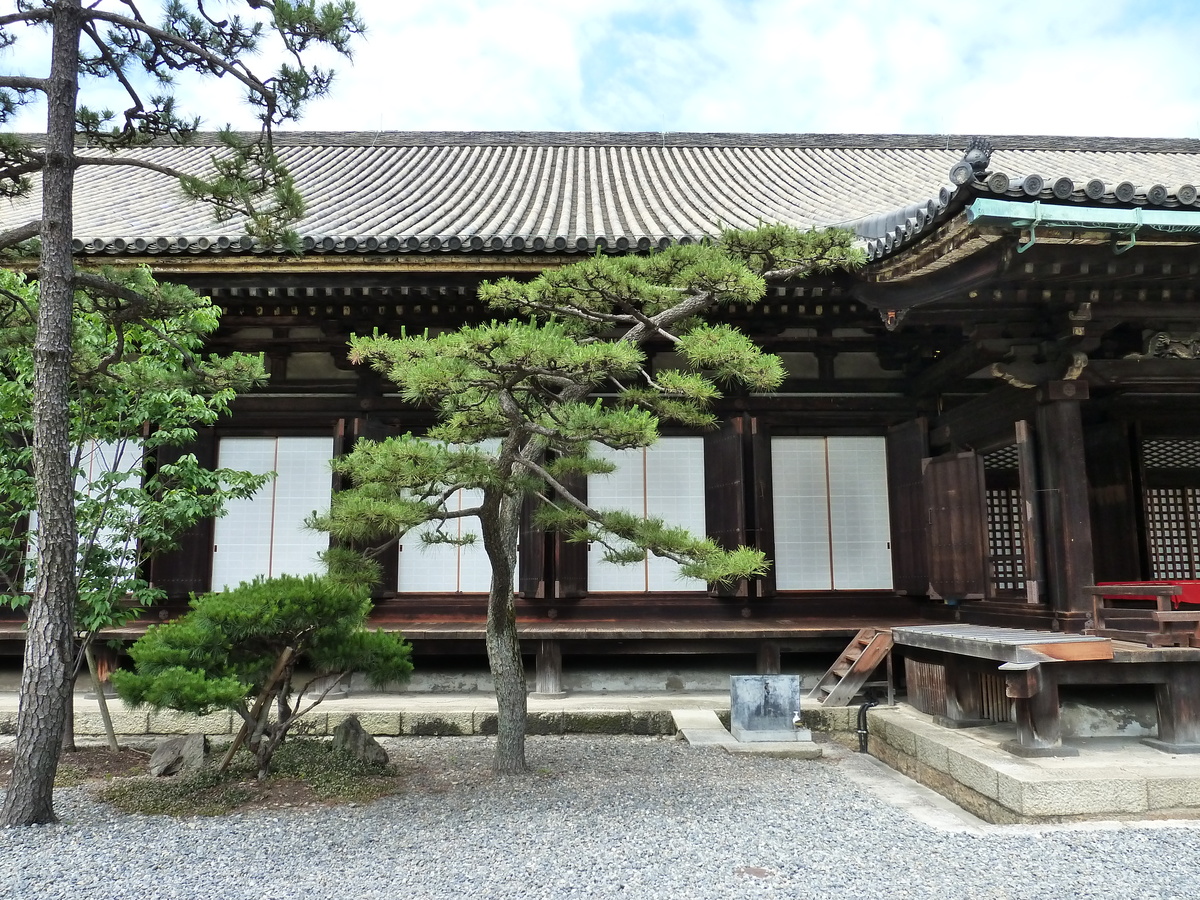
[(850, 671)]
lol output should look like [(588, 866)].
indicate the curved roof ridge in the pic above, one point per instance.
[(288, 138)]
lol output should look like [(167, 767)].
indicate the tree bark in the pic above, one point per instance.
[(46, 682), (500, 524)]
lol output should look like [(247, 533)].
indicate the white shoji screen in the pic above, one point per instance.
[(447, 568), (831, 513), (664, 480), (265, 534), (95, 459)]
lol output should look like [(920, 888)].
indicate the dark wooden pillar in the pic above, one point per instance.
[(762, 507), (1034, 692), (768, 658), (1068, 531), (907, 445), (725, 494), (1178, 701), (548, 674)]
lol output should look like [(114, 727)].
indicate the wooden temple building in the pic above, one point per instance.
[(999, 410)]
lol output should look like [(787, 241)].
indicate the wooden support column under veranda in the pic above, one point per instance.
[(548, 670)]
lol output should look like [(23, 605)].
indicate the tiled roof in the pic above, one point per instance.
[(484, 191)]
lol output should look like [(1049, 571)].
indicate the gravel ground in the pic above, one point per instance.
[(603, 817)]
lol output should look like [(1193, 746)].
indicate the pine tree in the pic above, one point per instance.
[(248, 641), (115, 44), (524, 387)]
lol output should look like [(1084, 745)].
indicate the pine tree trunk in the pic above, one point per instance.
[(500, 524), (46, 682)]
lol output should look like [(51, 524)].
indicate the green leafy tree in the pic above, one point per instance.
[(115, 44), (140, 384), (525, 386), (247, 643)]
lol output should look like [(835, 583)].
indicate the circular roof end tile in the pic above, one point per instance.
[(1095, 189), (1186, 194), (997, 183), (1157, 194), (1063, 188), (1033, 184), (1125, 191)]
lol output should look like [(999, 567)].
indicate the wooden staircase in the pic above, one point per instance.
[(850, 671)]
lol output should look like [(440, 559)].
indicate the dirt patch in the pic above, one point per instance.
[(306, 775), (87, 764)]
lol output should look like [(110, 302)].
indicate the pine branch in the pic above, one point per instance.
[(20, 233), (216, 62), (23, 83)]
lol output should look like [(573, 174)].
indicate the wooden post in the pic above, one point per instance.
[(768, 658), (1178, 702), (1039, 728), (1034, 692), (548, 678), (1031, 513), (1068, 531)]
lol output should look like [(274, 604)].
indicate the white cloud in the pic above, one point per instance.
[(1068, 67)]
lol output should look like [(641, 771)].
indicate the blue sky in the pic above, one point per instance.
[(1080, 67)]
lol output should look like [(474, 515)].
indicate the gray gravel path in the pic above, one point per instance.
[(604, 817)]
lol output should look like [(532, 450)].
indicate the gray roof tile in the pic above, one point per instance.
[(403, 191)]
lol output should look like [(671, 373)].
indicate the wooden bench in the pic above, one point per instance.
[(1143, 613), (1018, 655)]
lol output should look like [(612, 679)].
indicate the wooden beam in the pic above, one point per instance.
[(950, 370)]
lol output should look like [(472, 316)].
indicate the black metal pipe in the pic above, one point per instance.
[(863, 734)]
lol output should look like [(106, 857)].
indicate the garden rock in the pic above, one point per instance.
[(350, 737), (185, 753)]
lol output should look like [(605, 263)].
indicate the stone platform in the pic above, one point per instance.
[(1110, 778)]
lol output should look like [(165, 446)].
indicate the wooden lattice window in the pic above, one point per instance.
[(1172, 468), (1173, 526), (1006, 543)]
